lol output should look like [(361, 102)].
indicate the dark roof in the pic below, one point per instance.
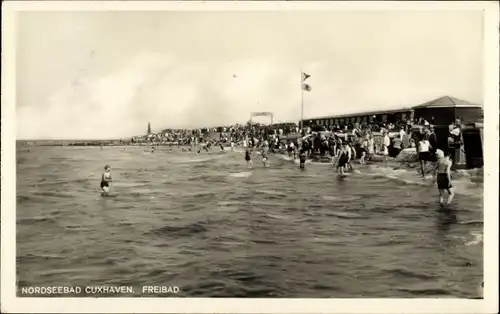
[(366, 113), (446, 101)]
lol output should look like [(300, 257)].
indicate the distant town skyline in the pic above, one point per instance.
[(107, 74)]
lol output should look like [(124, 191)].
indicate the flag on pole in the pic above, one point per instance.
[(306, 87), (305, 76)]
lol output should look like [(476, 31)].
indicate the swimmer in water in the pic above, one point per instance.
[(264, 158), (248, 158), (302, 158), (105, 180), (443, 178)]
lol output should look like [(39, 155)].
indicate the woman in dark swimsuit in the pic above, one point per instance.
[(343, 158), (248, 158)]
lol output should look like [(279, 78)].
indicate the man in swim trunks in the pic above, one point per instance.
[(443, 178), (106, 179)]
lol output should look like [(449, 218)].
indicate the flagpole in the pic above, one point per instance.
[(301, 104)]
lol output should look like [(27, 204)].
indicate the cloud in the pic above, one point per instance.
[(112, 73)]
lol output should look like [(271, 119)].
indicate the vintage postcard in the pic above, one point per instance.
[(249, 157)]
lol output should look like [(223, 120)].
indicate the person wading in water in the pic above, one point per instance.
[(248, 158), (342, 158), (443, 177), (105, 180)]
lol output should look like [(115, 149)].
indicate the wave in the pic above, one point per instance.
[(471, 222), (279, 217), (186, 230), (478, 238), (198, 194), (36, 257), (244, 174), (190, 161), (426, 292), (31, 220), (462, 185), (341, 198), (54, 194), (410, 273), (76, 228), (229, 203), (345, 215), (270, 192)]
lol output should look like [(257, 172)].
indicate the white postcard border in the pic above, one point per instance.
[(11, 303)]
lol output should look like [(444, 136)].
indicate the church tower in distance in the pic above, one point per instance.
[(149, 128)]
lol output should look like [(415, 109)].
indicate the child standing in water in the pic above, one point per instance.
[(264, 158), (106, 179), (302, 158), (364, 150), (443, 179)]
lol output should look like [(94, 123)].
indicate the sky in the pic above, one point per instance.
[(99, 75)]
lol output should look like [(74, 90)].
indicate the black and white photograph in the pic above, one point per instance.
[(262, 151)]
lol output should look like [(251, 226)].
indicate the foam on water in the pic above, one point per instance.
[(244, 174), (463, 185), (477, 238)]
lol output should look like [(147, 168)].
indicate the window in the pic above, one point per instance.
[(384, 118), (403, 116), (364, 119), (370, 118)]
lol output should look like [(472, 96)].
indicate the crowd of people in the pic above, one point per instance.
[(340, 144), (366, 139)]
